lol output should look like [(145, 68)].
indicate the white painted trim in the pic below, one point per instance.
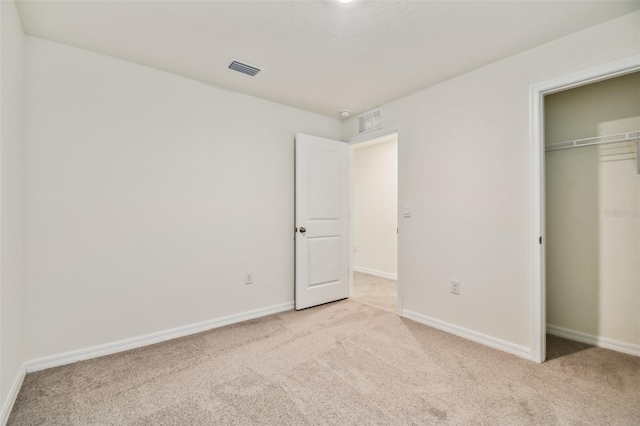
[(483, 339), (13, 395), (536, 226), (590, 339), (365, 137), (380, 274), (350, 221), (150, 339), (537, 92)]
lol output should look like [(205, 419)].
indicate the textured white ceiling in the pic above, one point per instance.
[(320, 56)]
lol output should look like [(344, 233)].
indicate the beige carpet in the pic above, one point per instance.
[(380, 292), (344, 363)]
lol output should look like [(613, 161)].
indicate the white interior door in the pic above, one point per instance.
[(322, 221)]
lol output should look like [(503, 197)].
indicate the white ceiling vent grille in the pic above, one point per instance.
[(244, 68), (370, 121)]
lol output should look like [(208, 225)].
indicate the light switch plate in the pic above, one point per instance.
[(406, 211), (455, 286)]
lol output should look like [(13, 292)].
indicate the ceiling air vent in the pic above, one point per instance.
[(370, 121), (244, 68)]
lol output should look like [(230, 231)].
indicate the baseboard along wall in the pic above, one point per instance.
[(465, 333), (13, 395), (590, 339), (127, 344), (150, 339), (381, 274)]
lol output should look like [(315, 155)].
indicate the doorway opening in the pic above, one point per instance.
[(374, 221), (577, 186), (592, 204)]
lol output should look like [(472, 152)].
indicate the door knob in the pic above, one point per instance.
[(303, 229)]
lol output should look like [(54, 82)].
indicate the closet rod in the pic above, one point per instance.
[(599, 140)]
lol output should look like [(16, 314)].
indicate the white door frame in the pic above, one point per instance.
[(365, 138), (537, 92)]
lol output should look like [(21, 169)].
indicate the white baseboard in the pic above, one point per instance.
[(474, 336), (381, 274), (590, 339), (13, 395), (149, 339)]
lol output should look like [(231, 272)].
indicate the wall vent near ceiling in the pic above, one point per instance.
[(370, 121), (244, 68)]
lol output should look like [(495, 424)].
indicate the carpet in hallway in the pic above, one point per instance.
[(376, 291)]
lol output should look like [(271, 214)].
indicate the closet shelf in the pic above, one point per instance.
[(601, 140), (620, 137)]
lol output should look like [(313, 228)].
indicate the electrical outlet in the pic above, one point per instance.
[(248, 277), (355, 249), (455, 287)]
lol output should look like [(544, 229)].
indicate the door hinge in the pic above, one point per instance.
[(540, 240)]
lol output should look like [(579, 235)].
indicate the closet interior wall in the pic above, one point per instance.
[(592, 212)]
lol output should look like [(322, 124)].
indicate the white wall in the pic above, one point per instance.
[(11, 199), (148, 196), (593, 256), (464, 167), (375, 211)]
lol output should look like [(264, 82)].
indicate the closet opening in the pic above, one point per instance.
[(591, 187), (374, 221)]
